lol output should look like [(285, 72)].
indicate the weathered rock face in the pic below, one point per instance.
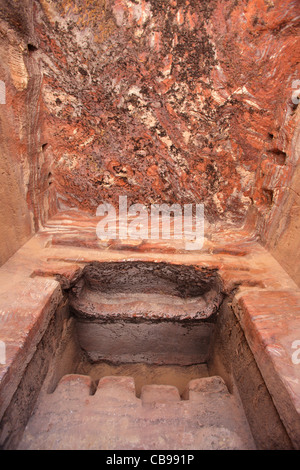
[(174, 101), (280, 227), (26, 197), (160, 100)]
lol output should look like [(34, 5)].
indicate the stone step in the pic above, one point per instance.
[(159, 394), (197, 389), (152, 306), (75, 386), (79, 416), (118, 390), (122, 388)]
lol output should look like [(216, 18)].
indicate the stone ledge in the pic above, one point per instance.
[(115, 307), (271, 323), (25, 312)]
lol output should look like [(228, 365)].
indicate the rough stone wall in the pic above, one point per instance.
[(280, 227), (160, 100), (169, 100), (24, 185)]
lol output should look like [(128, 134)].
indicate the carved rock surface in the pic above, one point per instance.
[(174, 101)]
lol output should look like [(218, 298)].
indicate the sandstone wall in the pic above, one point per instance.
[(175, 101), (24, 165), (280, 232), (160, 100)]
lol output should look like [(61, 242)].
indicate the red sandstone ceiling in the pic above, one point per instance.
[(169, 100)]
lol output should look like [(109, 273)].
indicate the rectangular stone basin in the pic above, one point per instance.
[(156, 325)]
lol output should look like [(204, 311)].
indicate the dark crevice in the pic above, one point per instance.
[(31, 48), (269, 196), (279, 156)]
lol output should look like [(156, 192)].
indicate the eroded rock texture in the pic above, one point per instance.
[(26, 196), (175, 101)]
